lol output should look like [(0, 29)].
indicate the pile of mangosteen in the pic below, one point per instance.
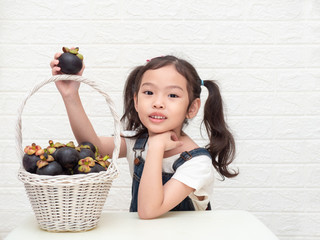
[(64, 159)]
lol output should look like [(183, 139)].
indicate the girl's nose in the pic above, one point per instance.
[(158, 103)]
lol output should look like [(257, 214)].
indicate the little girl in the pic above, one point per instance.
[(170, 171)]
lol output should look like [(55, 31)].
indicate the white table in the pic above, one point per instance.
[(218, 225)]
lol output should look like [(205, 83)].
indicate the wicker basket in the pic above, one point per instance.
[(69, 202)]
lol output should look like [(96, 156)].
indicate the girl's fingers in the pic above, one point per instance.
[(56, 70), (82, 69), (57, 55), (54, 63), (174, 136), (175, 140)]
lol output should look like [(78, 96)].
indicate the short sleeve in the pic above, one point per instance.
[(197, 173), (129, 144)]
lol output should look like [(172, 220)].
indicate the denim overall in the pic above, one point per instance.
[(186, 204)]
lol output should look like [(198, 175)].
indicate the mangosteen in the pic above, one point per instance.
[(97, 168), (70, 61), (52, 152), (68, 157), (52, 168), (84, 165), (31, 157), (88, 144), (52, 149), (68, 171), (103, 161), (30, 163), (86, 152), (79, 169)]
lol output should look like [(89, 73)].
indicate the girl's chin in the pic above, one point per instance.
[(159, 131), (150, 131)]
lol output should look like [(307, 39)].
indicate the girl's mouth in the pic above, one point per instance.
[(157, 117)]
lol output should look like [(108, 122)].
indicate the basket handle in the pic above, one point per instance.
[(94, 85)]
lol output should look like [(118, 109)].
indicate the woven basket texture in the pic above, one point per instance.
[(69, 202)]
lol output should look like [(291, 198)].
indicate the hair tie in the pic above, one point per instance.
[(148, 60), (202, 82)]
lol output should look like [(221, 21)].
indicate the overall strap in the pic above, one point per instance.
[(140, 144), (187, 155)]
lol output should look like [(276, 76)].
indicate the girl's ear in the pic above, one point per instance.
[(194, 108)]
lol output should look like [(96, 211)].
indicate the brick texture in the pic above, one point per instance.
[(265, 56)]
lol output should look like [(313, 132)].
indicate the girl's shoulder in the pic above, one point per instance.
[(196, 152), (188, 144), (129, 138), (128, 133)]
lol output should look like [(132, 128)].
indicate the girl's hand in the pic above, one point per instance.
[(167, 140), (66, 88), (57, 70), (54, 65)]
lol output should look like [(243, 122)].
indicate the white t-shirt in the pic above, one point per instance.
[(197, 173)]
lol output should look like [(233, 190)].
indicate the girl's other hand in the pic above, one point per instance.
[(168, 140)]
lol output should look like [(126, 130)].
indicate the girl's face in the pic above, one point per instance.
[(162, 101)]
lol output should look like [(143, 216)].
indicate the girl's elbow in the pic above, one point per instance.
[(144, 216), (147, 214)]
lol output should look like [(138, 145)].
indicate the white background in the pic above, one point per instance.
[(265, 56)]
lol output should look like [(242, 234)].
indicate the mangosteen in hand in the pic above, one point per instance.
[(70, 61)]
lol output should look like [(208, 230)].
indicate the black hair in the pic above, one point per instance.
[(221, 144)]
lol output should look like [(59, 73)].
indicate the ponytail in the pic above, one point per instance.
[(222, 144), (130, 114)]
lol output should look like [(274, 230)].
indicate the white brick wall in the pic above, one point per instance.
[(265, 55)]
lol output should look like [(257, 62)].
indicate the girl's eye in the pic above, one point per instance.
[(172, 95), (148, 92)]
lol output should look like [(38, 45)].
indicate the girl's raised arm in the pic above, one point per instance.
[(79, 121)]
